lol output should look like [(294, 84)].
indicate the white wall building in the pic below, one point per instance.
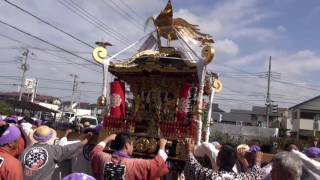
[(304, 117)]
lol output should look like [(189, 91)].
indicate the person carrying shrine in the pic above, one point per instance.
[(226, 159), (120, 164), (10, 167), (39, 160)]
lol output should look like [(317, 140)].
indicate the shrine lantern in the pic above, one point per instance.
[(117, 100), (185, 105)]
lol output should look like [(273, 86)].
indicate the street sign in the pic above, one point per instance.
[(29, 83)]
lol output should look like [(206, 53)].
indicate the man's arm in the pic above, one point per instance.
[(64, 140), (97, 155), (66, 152)]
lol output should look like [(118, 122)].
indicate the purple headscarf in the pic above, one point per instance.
[(78, 176), (42, 138), (11, 134), (95, 130), (11, 119), (313, 152), (255, 148), (38, 122)]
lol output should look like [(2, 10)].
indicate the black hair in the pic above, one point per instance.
[(3, 128), (227, 157), (120, 141), (268, 148)]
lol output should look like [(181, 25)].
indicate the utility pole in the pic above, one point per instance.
[(34, 93), (74, 88), (268, 101), (24, 67)]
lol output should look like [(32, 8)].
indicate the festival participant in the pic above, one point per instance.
[(21, 142), (290, 147), (208, 150), (12, 119), (226, 160), (10, 167), (80, 159), (39, 160), (315, 142), (286, 165), (120, 164), (311, 168), (312, 152)]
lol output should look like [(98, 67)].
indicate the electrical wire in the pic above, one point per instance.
[(92, 20), (52, 54), (49, 43), (47, 23), (131, 9), (122, 13)]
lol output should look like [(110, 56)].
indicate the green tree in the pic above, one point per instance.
[(5, 108)]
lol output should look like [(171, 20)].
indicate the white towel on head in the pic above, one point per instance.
[(309, 165), (210, 150), (26, 129)]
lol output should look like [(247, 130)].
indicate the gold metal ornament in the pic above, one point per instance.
[(101, 102), (142, 144), (99, 54), (217, 85), (152, 145), (207, 54)]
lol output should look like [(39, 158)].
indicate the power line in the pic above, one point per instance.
[(92, 20), (121, 13), (42, 50), (257, 76), (53, 80), (42, 40), (132, 10), (53, 88), (125, 14), (57, 62), (49, 24)]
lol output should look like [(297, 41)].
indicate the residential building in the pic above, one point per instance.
[(256, 117), (304, 117)]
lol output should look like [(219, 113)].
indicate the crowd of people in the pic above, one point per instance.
[(33, 151)]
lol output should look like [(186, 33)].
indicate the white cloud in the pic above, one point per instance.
[(297, 77), (233, 18), (252, 59), (227, 46), (298, 64), (260, 34), (281, 28)]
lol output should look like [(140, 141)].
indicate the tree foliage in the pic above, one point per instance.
[(5, 108)]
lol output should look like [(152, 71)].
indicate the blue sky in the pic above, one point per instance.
[(246, 32)]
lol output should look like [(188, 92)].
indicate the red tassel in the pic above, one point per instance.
[(117, 97)]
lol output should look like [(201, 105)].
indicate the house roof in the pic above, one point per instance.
[(15, 95), (215, 108), (27, 105), (304, 102)]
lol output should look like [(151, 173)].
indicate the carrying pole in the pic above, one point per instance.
[(209, 115)]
